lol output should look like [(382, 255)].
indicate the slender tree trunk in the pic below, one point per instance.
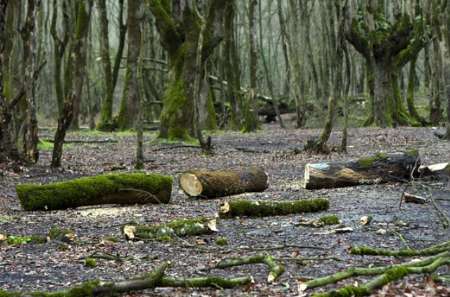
[(74, 73), (250, 109), (410, 93), (130, 100)]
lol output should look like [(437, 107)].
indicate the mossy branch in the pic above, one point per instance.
[(205, 281), (167, 231), (237, 208), (360, 271), (432, 250), (275, 269)]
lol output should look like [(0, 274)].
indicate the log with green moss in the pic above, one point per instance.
[(275, 269), (432, 250), (219, 183), (391, 275), (167, 231), (379, 168), (253, 208), (122, 188)]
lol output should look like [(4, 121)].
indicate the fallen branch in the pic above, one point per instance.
[(432, 250), (130, 188), (364, 271), (275, 268), (220, 183), (391, 275), (86, 141), (379, 168), (238, 208), (205, 281), (410, 198), (167, 231)]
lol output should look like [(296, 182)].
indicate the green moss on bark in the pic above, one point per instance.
[(370, 161), (92, 190)]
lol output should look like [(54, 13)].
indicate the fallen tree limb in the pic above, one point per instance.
[(205, 281), (219, 183), (275, 269), (167, 231), (391, 275), (432, 250), (148, 281), (379, 168), (364, 271), (86, 141), (238, 208), (410, 198), (126, 188)]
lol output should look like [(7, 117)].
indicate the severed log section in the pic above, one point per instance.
[(379, 168), (167, 231), (437, 170), (249, 208), (220, 183), (121, 188)]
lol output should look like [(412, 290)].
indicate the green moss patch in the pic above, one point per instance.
[(329, 220), (110, 188), (221, 241), (90, 262), (370, 161)]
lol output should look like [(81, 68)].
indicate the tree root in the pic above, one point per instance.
[(275, 269), (432, 250), (149, 281)]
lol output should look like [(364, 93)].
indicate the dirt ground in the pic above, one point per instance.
[(47, 266)]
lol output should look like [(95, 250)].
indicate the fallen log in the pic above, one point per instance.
[(125, 188), (84, 141), (219, 183), (167, 231), (437, 170), (410, 198), (379, 168), (249, 208), (432, 250), (275, 269)]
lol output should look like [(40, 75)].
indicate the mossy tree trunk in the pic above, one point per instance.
[(179, 28), (74, 75), (387, 47), (411, 92), (129, 105), (446, 34)]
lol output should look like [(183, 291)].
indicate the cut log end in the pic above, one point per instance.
[(191, 185)]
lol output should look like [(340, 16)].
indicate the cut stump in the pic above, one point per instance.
[(379, 168), (125, 188), (220, 183)]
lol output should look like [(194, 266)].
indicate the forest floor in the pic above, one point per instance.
[(49, 267)]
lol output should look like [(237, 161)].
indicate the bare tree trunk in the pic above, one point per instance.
[(130, 101), (250, 109), (74, 74)]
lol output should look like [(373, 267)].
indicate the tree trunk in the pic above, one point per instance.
[(382, 167), (129, 104), (250, 123), (74, 76), (382, 94), (410, 93), (134, 188), (220, 183)]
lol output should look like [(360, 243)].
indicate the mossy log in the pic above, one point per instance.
[(167, 231), (379, 168), (205, 281), (125, 188), (219, 183), (432, 250), (275, 269), (238, 208), (391, 275)]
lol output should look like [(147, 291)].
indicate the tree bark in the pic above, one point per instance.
[(382, 167), (74, 76), (220, 183), (249, 208), (129, 105), (137, 188)]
